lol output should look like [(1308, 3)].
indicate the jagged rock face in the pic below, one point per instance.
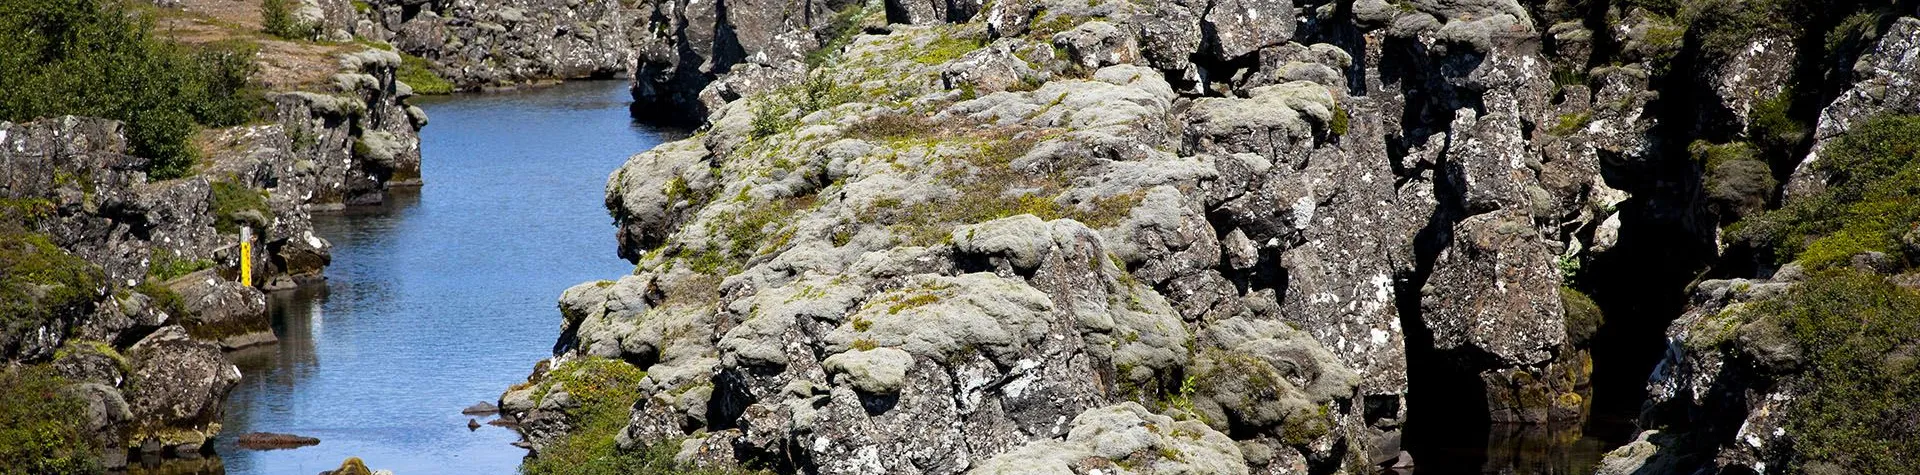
[(1716, 383), (953, 241), (495, 43), (681, 48)]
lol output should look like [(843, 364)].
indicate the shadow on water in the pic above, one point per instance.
[(443, 296)]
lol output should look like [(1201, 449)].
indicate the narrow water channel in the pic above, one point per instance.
[(443, 297)]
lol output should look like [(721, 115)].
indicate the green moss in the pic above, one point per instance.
[(1737, 181), (231, 201), (604, 391), (1871, 201), (1583, 316), (1858, 334), (40, 282), (419, 74), (78, 346), (164, 298), (362, 7), (1569, 124), (945, 48), (42, 429), (1339, 124)]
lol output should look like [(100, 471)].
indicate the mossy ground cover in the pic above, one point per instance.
[(1871, 201), (39, 282), (42, 429), (1859, 337), (100, 58), (604, 391)]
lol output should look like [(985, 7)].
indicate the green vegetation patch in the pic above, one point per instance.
[(1737, 181), (419, 74), (39, 282), (1871, 201), (1859, 337), (99, 58), (277, 18), (604, 391), (781, 110), (43, 430), (164, 266), (235, 204), (1583, 316)]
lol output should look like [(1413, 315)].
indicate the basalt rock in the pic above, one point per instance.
[(504, 43)]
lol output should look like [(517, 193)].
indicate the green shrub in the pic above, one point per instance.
[(43, 431), (98, 58), (1858, 336), (416, 72), (780, 110), (235, 204), (277, 19), (839, 32), (1871, 200)]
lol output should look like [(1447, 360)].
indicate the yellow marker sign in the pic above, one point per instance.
[(246, 256)]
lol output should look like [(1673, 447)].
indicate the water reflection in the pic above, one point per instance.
[(443, 296)]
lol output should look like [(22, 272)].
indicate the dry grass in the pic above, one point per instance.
[(284, 65)]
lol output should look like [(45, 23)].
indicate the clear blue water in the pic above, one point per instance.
[(443, 297)]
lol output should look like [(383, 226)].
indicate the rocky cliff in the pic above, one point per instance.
[(1242, 237), (128, 286)]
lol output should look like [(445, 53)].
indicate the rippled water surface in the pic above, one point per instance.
[(445, 296)]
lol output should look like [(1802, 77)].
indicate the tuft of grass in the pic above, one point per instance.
[(946, 48), (163, 266), (1569, 124)]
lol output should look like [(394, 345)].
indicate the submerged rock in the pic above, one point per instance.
[(273, 441)]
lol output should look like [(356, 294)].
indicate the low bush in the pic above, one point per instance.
[(277, 18), (99, 58)]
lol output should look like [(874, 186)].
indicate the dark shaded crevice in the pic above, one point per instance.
[(1666, 240)]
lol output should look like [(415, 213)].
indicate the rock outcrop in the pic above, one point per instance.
[(503, 43), (969, 238), (159, 260)]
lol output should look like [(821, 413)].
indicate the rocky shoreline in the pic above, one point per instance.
[(145, 352), (974, 238)]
